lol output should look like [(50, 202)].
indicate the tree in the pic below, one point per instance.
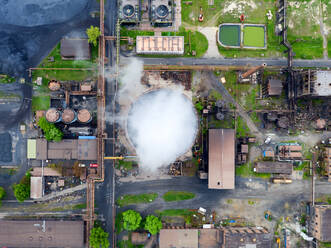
[(2, 193), (153, 224), (131, 220), (99, 238), (93, 34), (51, 132), (21, 192)]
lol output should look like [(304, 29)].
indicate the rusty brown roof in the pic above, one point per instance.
[(75, 49), (41, 151), (31, 234), (221, 156), (179, 238), (84, 115), (275, 87), (273, 167)]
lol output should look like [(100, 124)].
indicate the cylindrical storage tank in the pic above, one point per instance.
[(54, 85), (53, 115), (69, 116), (84, 116)]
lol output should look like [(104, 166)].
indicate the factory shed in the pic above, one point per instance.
[(75, 49), (160, 45), (80, 149), (170, 238), (322, 223), (248, 237), (322, 86), (275, 87), (36, 187), (221, 156), (273, 167), (36, 233)]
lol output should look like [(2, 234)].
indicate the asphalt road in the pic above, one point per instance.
[(233, 62), (245, 188)]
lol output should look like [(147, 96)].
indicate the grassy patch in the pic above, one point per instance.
[(6, 79), (246, 170), (41, 102), (79, 206), (307, 47), (193, 41), (126, 165), (242, 129), (253, 36), (136, 199), (64, 75), (177, 196), (119, 223)]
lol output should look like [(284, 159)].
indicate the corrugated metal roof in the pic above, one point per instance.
[(273, 167), (179, 238), (32, 149), (221, 159), (36, 187), (75, 49)]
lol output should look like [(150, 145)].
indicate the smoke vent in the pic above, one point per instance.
[(128, 10), (162, 11)]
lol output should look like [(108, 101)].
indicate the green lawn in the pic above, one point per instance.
[(79, 206), (174, 212), (306, 47), (41, 102), (198, 41), (126, 165), (6, 79), (241, 128), (229, 35), (246, 170), (177, 196), (254, 36), (136, 199)]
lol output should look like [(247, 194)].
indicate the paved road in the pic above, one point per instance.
[(275, 195), (233, 62), (229, 99)]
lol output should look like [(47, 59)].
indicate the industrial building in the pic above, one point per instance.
[(161, 12), (84, 148), (274, 86), (289, 151), (228, 237), (75, 49), (315, 83), (39, 233), (221, 159), (273, 167), (129, 11), (322, 223), (171, 45)]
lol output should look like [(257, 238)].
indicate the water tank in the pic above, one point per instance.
[(128, 10), (54, 85), (162, 11), (68, 116), (53, 115), (84, 116)]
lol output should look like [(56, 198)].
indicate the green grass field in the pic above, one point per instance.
[(177, 196), (253, 36), (41, 102), (229, 35), (136, 199)]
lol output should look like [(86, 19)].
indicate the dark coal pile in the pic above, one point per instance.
[(5, 147)]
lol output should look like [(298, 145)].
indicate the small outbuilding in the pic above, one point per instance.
[(273, 167), (275, 87), (75, 49)]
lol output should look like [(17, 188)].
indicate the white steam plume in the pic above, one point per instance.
[(162, 125)]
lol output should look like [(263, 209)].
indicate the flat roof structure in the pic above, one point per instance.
[(322, 86), (129, 11), (246, 237), (221, 157), (273, 167), (275, 87), (160, 45), (75, 49), (179, 238), (322, 223), (161, 11), (36, 233), (45, 171), (80, 149), (36, 188), (31, 149)]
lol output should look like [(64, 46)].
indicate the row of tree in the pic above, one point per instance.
[(132, 221), (22, 190), (51, 132)]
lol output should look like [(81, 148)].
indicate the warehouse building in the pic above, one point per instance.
[(315, 83), (37, 233), (228, 237), (322, 223), (221, 158), (77, 149), (172, 45), (273, 167), (75, 49)]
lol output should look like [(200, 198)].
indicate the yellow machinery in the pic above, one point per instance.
[(113, 158)]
